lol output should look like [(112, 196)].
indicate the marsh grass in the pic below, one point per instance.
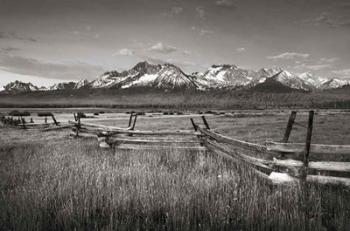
[(73, 185)]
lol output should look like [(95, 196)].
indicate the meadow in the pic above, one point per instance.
[(49, 181)]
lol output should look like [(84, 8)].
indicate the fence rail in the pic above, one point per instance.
[(276, 167)]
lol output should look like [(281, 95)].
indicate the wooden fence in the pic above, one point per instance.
[(130, 139), (279, 162), (283, 162)]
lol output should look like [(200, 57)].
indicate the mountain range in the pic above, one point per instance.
[(169, 76)]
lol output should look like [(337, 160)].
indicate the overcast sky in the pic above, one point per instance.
[(70, 40)]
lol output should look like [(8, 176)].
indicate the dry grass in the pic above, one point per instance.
[(51, 182)]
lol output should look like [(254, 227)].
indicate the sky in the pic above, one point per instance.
[(51, 41)]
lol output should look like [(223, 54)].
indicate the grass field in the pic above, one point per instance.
[(51, 182)]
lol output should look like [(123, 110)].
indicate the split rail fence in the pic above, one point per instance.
[(279, 162)]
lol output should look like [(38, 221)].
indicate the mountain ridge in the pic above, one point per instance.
[(169, 76)]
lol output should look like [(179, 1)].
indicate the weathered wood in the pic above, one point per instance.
[(54, 120), (314, 148), (308, 139), (248, 159), (316, 165), (149, 141), (228, 140), (157, 147), (193, 124), (205, 122), (134, 124), (98, 126), (278, 178), (130, 119), (329, 180), (157, 133), (289, 127)]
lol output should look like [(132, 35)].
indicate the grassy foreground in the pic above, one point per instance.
[(57, 183)]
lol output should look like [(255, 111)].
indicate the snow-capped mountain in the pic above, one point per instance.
[(63, 86), (19, 87), (224, 76), (291, 80), (334, 83), (312, 81), (169, 76), (144, 74)]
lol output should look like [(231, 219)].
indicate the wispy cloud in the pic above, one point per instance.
[(206, 32), (162, 48), (124, 52), (289, 55), (15, 36), (175, 10), (326, 18), (241, 50), (313, 67), (224, 3), (201, 13), (329, 60), (343, 72)]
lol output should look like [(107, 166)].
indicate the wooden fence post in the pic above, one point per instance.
[(54, 120), (288, 130), (130, 119), (193, 124), (289, 127), (304, 187), (308, 139), (78, 126), (23, 122), (205, 122), (134, 124)]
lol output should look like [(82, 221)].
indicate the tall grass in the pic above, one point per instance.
[(73, 185)]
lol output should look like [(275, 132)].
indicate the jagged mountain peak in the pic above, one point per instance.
[(18, 87)]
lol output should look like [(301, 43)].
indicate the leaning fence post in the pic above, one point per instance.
[(133, 126), (54, 120), (193, 124), (205, 122), (130, 119), (289, 127)]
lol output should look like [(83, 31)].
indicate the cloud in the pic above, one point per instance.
[(288, 55), (343, 72), (162, 48), (201, 13), (29, 66), (124, 52), (9, 49), (313, 67), (329, 60), (224, 3), (241, 50), (325, 18), (175, 10), (206, 32), (12, 35)]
